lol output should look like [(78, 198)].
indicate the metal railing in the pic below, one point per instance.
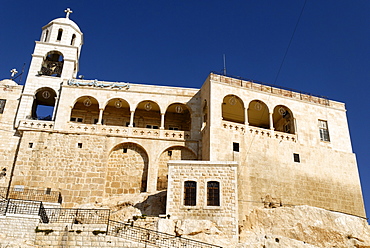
[(151, 237), (17, 206), (76, 216), (31, 194)]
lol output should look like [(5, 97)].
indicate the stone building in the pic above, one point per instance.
[(217, 152)]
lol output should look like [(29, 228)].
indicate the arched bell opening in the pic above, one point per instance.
[(52, 64), (233, 109), (283, 119), (147, 115), (116, 113), (258, 114), (177, 117), (43, 104), (85, 110)]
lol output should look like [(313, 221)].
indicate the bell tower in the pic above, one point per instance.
[(54, 59)]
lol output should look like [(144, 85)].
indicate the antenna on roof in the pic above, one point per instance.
[(224, 65)]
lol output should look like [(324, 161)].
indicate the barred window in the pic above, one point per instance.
[(2, 105), (213, 193), (324, 131), (190, 193)]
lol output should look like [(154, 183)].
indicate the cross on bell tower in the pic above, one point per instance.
[(68, 11)]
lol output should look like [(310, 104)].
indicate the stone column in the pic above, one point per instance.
[(132, 113), (271, 121), (246, 122), (55, 108), (100, 116), (162, 121)]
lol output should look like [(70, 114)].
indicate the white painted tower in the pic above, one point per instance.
[(55, 58)]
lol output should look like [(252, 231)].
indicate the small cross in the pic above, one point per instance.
[(13, 71), (68, 11)]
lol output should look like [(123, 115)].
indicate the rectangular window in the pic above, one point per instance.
[(79, 145), (296, 158), (324, 130), (190, 193), (173, 128), (2, 105), (235, 147), (152, 126), (76, 119), (213, 193)]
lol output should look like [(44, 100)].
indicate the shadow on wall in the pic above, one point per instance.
[(154, 205)]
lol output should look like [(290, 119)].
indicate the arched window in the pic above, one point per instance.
[(85, 110), (177, 117), (52, 64), (258, 114), (73, 40), (147, 115), (116, 113), (213, 193), (190, 193), (283, 119), (233, 109), (60, 33), (46, 35)]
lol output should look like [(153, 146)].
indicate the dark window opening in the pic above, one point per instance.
[(235, 147), (46, 35), (30, 145), (79, 145), (2, 105), (169, 153), (48, 191), (60, 32), (73, 39), (190, 193), (296, 158), (124, 150), (213, 193), (76, 119), (324, 130)]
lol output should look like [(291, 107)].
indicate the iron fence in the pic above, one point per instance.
[(151, 237), (31, 194), (76, 216), (16, 206)]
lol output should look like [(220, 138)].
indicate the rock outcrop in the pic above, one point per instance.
[(303, 226)]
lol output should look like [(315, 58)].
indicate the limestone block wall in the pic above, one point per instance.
[(325, 174), (87, 168), (225, 215), (20, 228), (10, 92)]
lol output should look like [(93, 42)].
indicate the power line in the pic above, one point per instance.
[(290, 42)]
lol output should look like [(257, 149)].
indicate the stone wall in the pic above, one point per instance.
[(325, 175), (225, 215), (87, 168)]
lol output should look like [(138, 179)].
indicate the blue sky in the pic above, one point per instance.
[(179, 42)]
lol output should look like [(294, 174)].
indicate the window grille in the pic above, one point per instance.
[(213, 193), (190, 193)]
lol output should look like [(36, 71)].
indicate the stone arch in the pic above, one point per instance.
[(171, 153), (43, 104), (147, 115), (116, 112), (177, 117), (283, 119), (233, 109), (52, 64), (258, 114), (85, 110), (127, 170)]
